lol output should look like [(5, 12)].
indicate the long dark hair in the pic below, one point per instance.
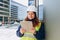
[(35, 21)]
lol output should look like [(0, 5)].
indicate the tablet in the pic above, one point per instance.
[(27, 25)]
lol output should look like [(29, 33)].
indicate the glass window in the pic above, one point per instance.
[(6, 6), (6, 2), (1, 4), (14, 11), (6, 19), (4, 9), (1, 8), (1, 18), (1, 0), (31, 2), (4, 13)]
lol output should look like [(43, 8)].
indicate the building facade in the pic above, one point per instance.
[(14, 12), (18, 11), (4, 10), (31, 2)]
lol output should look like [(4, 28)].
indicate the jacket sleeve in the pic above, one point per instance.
[(41, 33), (18, 32)]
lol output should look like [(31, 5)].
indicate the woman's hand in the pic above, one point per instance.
[(22, 31), (32, 30)]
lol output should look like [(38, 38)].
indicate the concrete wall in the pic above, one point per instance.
[(52, 17)]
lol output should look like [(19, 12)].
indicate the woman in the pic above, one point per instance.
[(37, 31)]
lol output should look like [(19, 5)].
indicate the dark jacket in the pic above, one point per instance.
[(40, 35)]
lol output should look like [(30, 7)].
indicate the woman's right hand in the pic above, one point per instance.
[(22, 31)]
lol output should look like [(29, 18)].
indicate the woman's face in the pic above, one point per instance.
[(31, 15)]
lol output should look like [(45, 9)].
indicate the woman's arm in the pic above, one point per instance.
[(41, 33), (18, 33)]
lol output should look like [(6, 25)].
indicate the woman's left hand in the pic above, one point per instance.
[(32, 30)]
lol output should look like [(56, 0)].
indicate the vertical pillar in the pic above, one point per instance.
[(8, 19), (3, 20), (37, 5)]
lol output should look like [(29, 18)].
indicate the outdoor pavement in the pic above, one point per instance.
[(8, 33)]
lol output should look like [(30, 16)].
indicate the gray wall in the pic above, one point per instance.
[(52, 17)]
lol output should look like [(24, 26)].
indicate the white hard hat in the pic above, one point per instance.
[(32, 8)]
